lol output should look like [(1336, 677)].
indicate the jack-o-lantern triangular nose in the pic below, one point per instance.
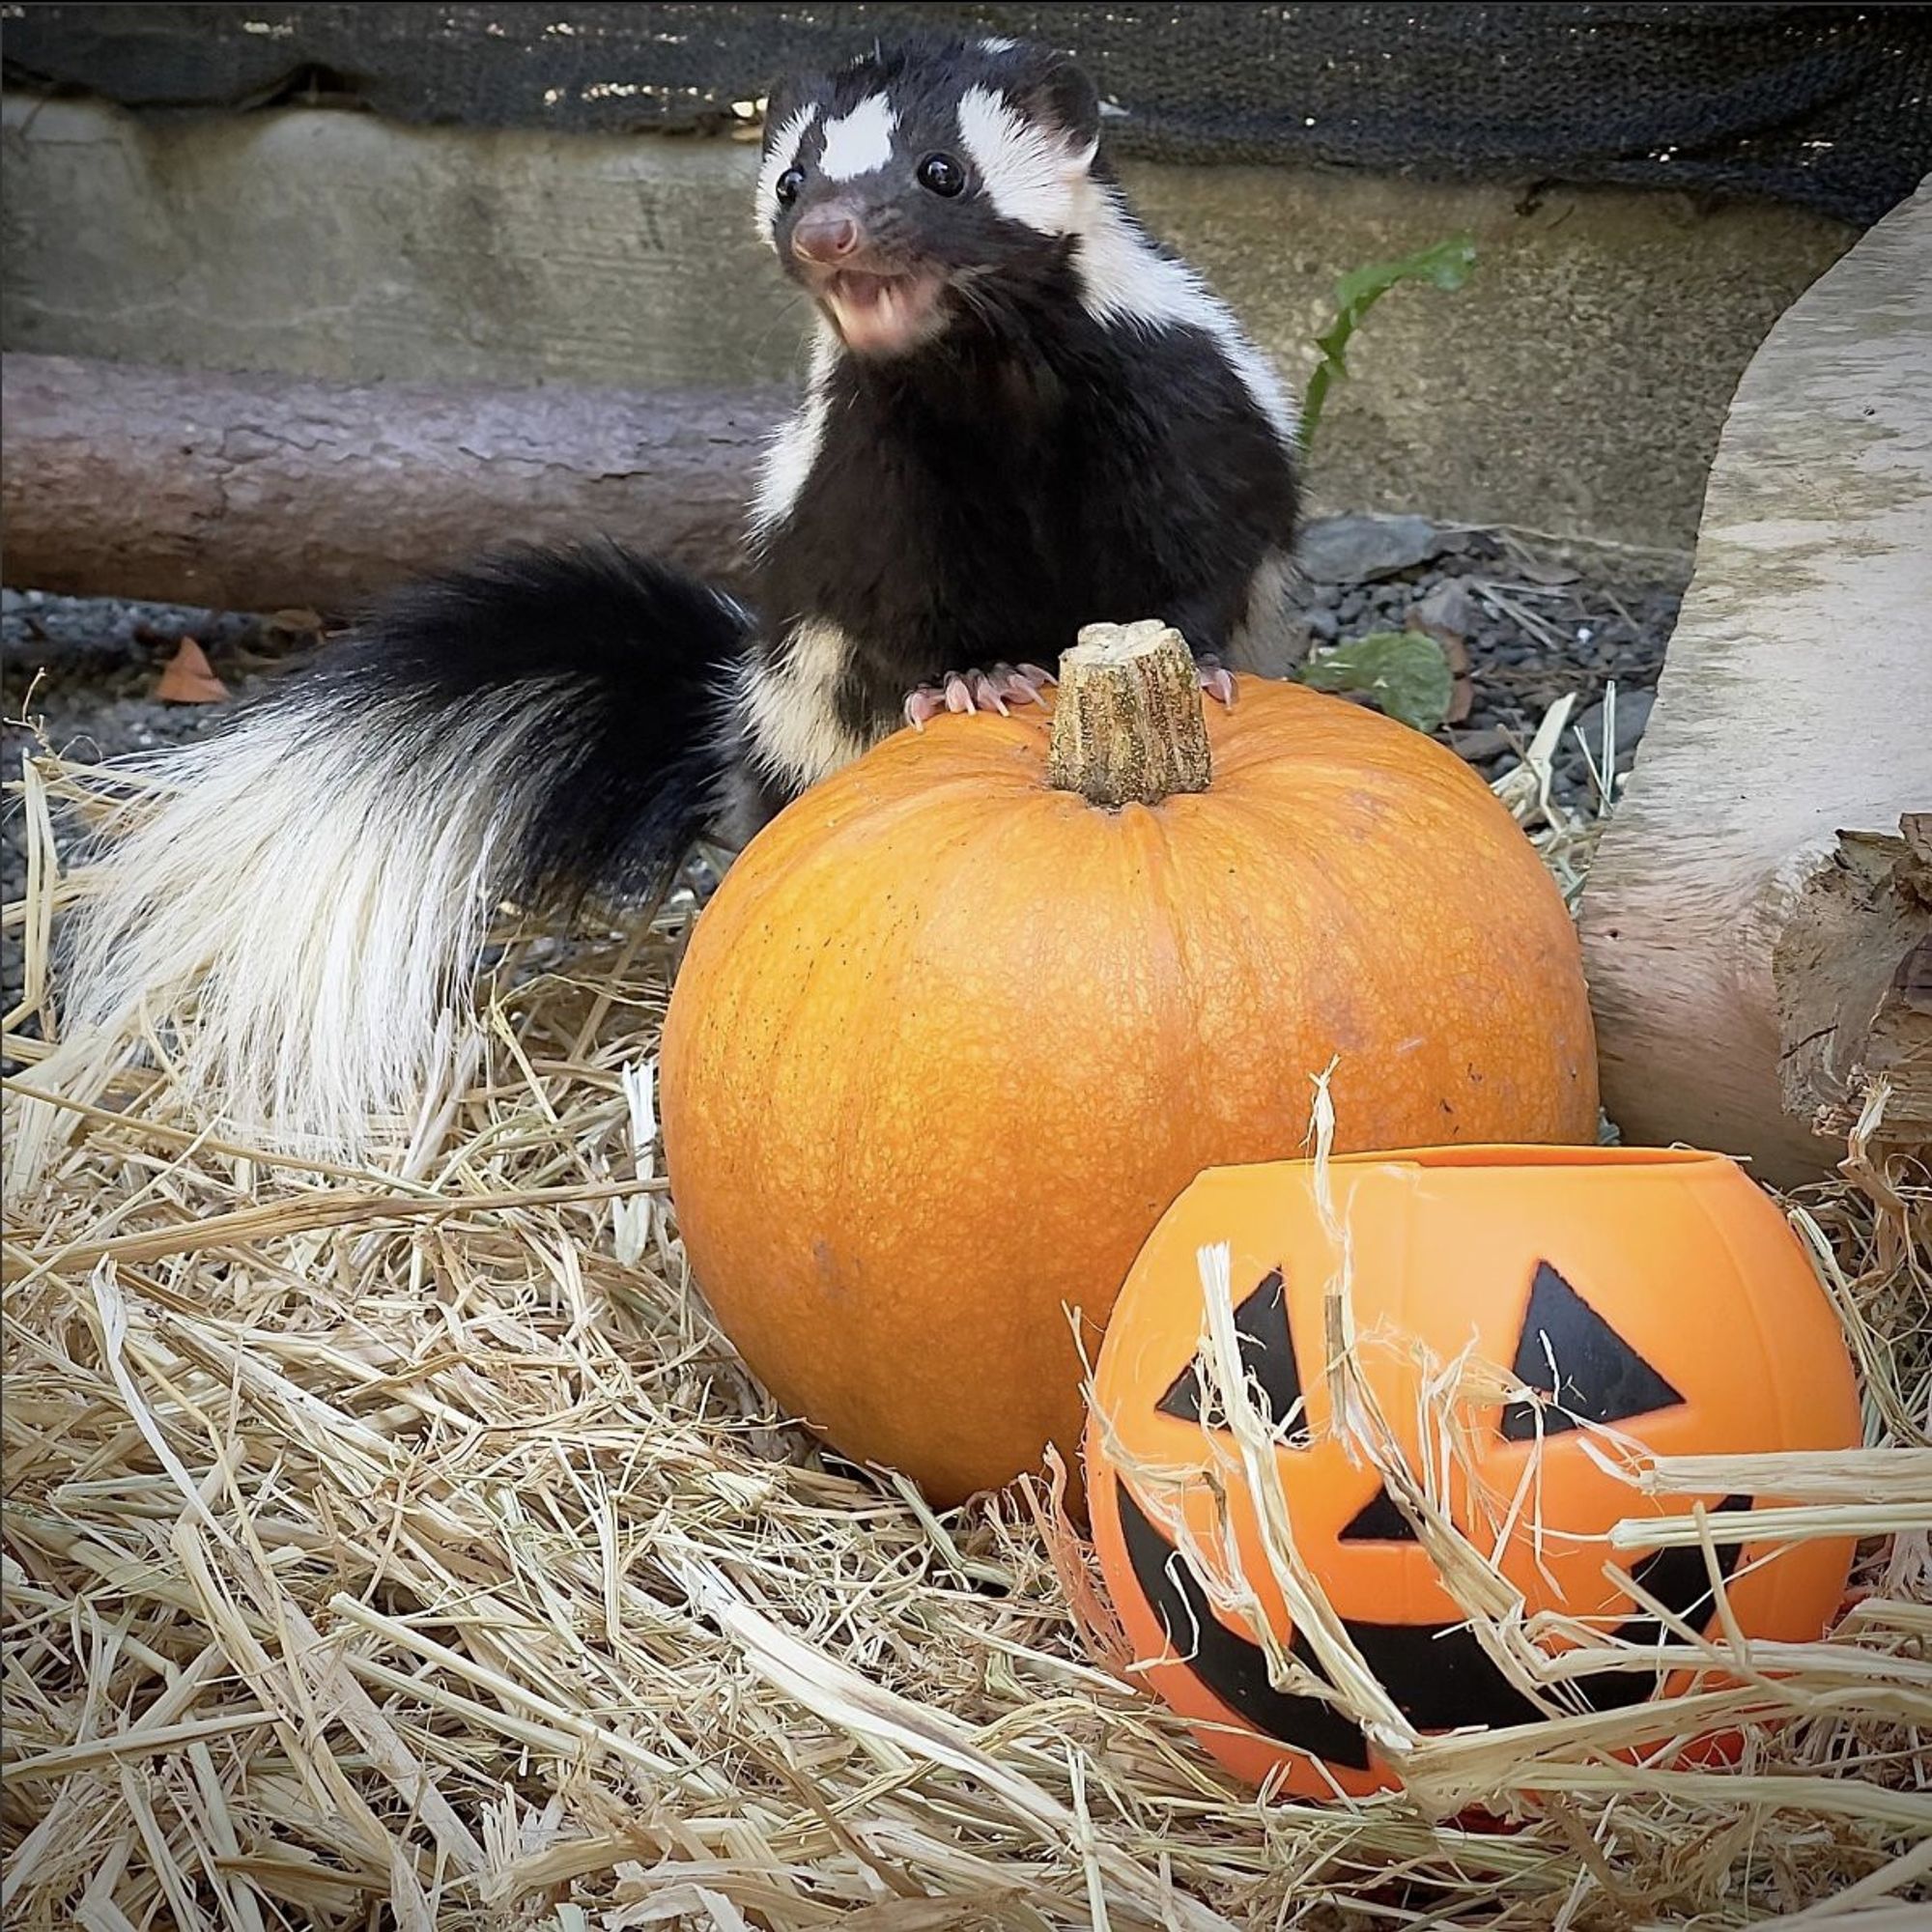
[(1377, 1520), (1579, 1364), (1268, 1353)]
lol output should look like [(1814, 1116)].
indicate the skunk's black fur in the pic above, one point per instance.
[(1065, 475), (637, 662)]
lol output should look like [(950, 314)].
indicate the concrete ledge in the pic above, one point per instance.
[(1576, 386)]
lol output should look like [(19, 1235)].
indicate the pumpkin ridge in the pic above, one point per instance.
[(862, 819), (1268, 710), (1156, 831), (1336, 767)]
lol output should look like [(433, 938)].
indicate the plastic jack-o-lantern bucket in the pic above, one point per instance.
[(1531, 1326)]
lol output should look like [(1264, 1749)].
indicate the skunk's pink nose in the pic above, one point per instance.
[(825, 236)]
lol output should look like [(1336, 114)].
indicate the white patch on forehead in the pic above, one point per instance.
[(858, 142), (782, 154), (997, 43), (1127, 282), (1030, 172)]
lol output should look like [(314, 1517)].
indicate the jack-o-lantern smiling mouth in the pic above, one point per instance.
[(1439, 1675)]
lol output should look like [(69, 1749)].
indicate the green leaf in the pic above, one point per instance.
[(1404, 674), (1447, 265)]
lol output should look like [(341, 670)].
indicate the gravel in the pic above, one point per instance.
[(1537, 626), (1541, 625)]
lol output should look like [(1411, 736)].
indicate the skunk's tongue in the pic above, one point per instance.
[(878, 314)]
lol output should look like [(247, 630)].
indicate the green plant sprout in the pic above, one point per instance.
[(1446, 265), (1403, 673)]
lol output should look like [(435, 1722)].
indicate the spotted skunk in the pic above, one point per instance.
[(1022, 415)]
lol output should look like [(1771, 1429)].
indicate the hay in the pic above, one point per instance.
[(404, 1548)]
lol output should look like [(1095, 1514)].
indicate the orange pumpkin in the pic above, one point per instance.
[(1623, 1297), (951, 1034)]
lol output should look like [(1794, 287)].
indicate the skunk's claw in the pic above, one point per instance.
[(999, 688)]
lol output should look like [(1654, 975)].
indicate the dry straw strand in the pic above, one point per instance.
[(402, 1544)]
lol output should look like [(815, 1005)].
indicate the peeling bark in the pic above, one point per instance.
[(1852, 969)]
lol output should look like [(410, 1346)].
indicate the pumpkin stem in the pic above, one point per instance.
[(1127, 723)]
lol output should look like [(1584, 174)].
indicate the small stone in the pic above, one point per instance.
[(1353, 549), (1478, 748), (1448, 608), (1323, 626)]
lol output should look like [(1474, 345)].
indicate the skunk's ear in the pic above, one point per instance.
[(1057, 93), (784, 99)]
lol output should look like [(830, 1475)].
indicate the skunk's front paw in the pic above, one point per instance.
[(997, 688)]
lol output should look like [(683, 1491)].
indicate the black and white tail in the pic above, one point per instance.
[(315, 882)]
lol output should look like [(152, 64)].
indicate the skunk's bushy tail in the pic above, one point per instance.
[(301, 913)]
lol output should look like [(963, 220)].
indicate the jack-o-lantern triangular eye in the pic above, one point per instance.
[(1268, 1353), (1585, 1371)]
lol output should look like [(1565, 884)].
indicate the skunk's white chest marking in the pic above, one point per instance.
[(793, 450), (791, 706)]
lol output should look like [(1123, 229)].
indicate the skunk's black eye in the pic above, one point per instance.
[(943, 175), (787, 185)]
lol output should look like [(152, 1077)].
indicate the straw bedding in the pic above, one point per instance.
[(405, 1548)]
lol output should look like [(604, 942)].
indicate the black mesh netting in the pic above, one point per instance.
[(1830, 108)]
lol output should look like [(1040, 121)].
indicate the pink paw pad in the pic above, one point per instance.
[(997, 688)]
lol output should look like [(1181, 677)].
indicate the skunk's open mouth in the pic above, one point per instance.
[(878, 314)]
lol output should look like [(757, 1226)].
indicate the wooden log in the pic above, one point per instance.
[(1757, 924), (257, 493), (1853, 965)]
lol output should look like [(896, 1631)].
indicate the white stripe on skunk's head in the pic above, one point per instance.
[(783, 141), (912, 191), (1034, 171)]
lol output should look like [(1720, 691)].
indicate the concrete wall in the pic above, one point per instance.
[(1576, 386)]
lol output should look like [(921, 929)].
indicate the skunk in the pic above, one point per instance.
[(1022, 415)]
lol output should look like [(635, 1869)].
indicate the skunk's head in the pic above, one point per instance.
[(904, 188)]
